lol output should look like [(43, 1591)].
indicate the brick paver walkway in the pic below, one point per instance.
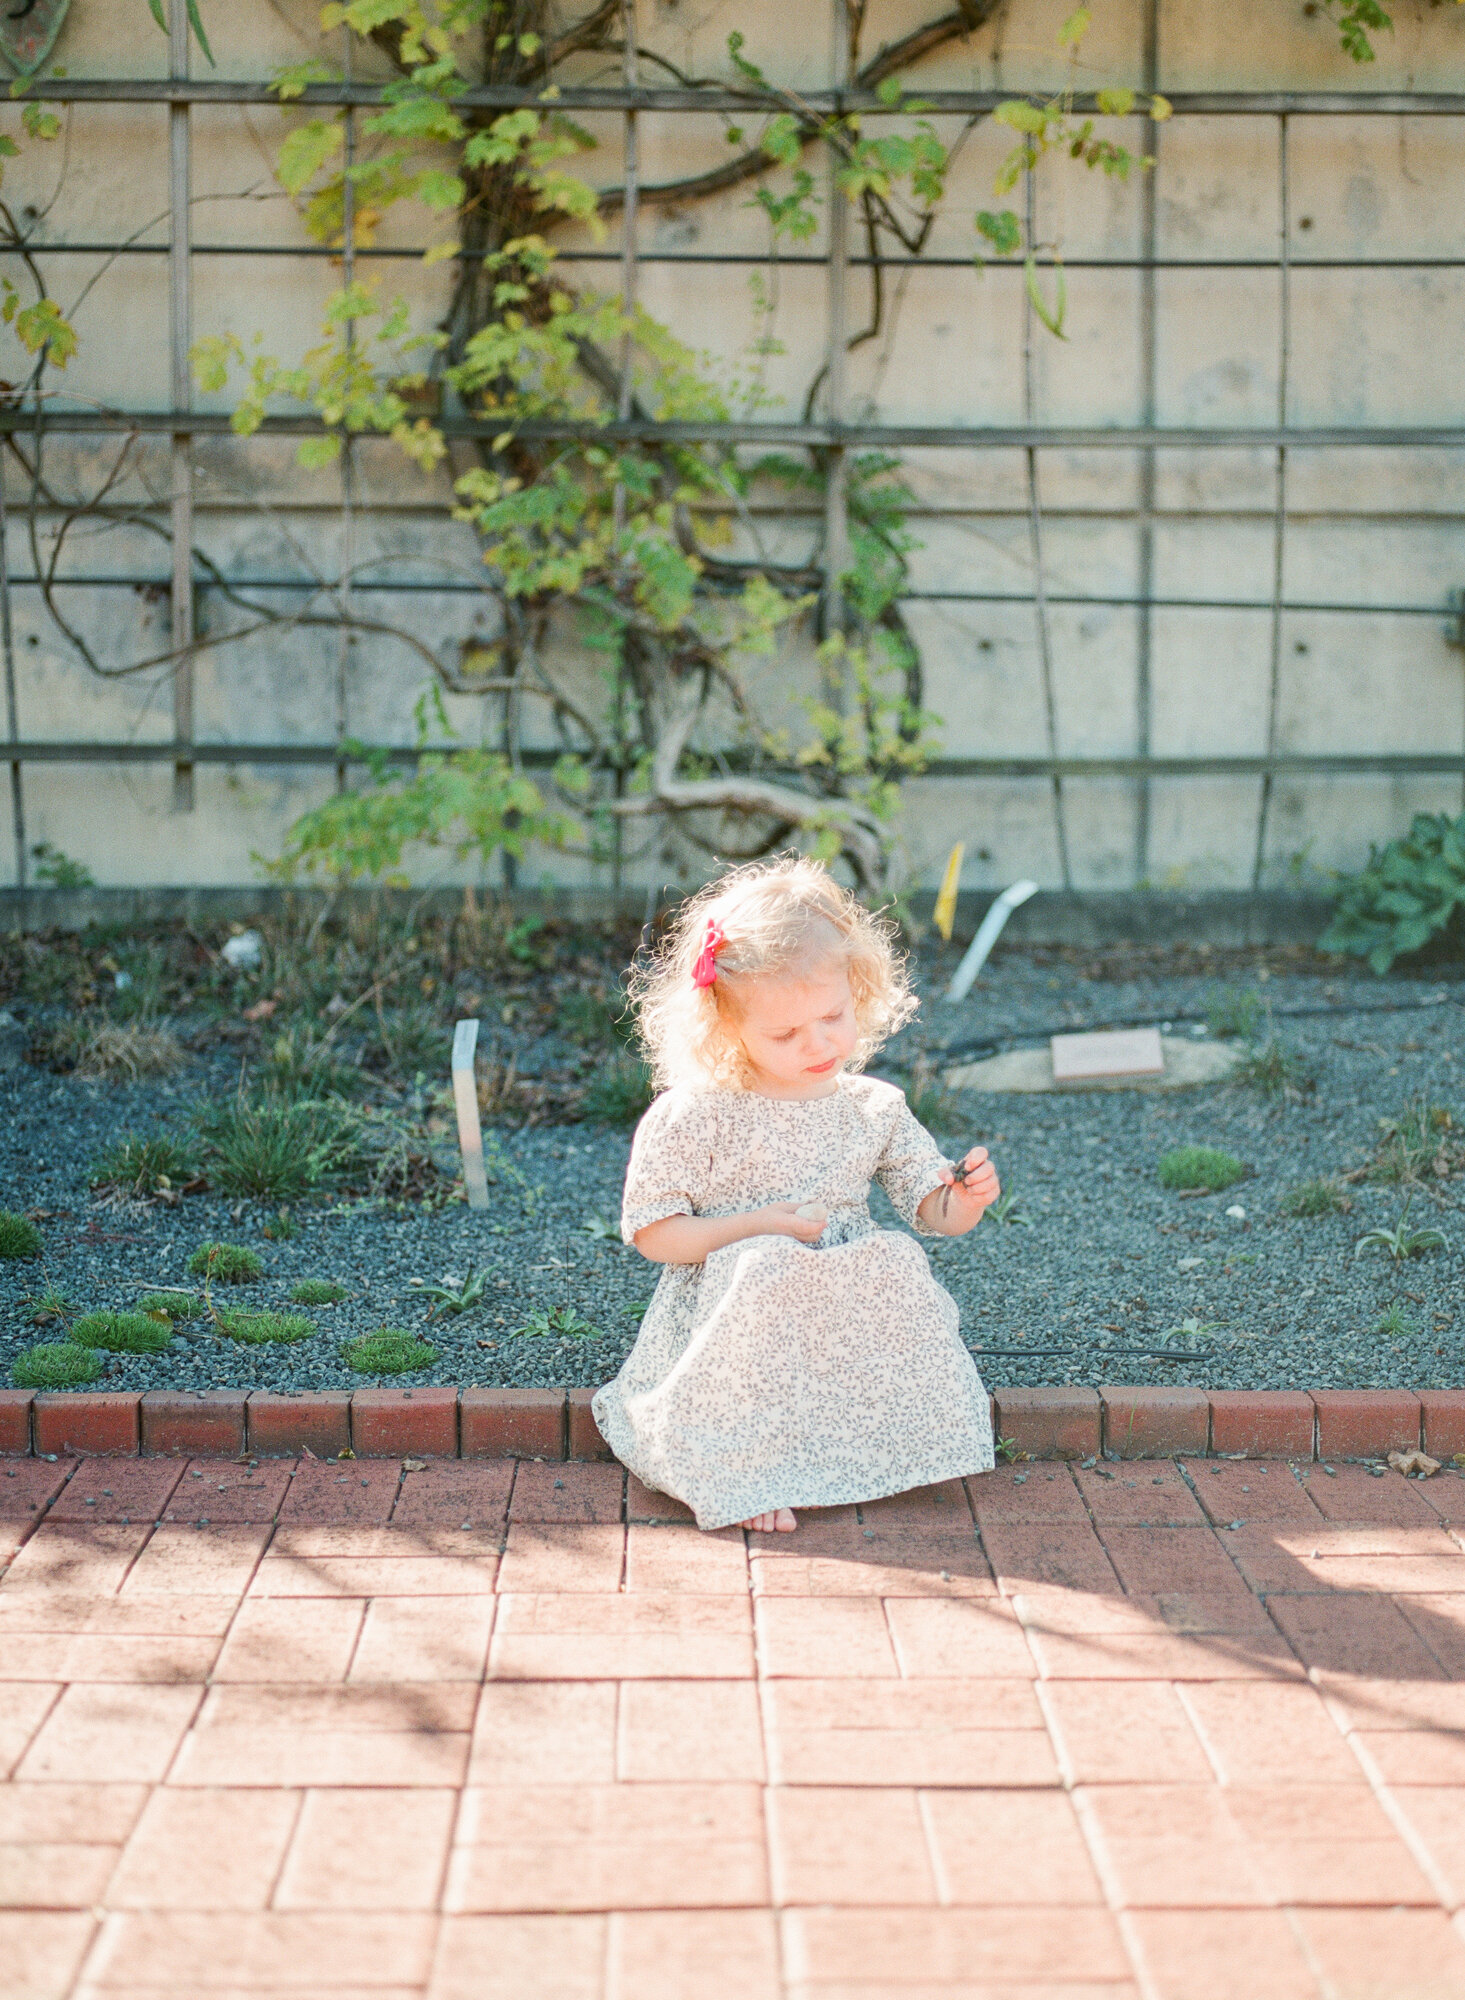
[(474, 1732)]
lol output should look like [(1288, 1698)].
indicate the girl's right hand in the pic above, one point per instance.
[(782, 1218)]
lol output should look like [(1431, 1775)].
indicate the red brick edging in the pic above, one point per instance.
[(557, 1423)]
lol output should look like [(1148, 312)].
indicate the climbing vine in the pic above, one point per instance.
[(646, 552)]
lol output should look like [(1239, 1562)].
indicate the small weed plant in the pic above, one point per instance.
[(452, 1294), (122, 1332), (50, 1304), (389, 1351), (1395, 1323), (226, 1264), (559, 1323), (618, 1093), (1412, 890), (282, 1228), (58, 1364), (1008, 1209), (1310, 1199), (318, 1292), (1420, 1144), (138, 1166), (173, 1306), (19, 1236), (1235, 1013), (1400, 1242), (1275, 1070), (265, 1329), (1009, 1451), (1204, 1169)]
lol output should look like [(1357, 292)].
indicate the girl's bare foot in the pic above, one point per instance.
[(780, 1523)]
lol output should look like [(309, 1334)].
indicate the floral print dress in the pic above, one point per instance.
[(784, 1374)]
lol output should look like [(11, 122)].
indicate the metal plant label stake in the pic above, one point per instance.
[(28, 31)]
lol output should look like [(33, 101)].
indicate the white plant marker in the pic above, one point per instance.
[(465, 1097), (979, 950)]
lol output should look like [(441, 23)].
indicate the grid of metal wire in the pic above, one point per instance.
[(836, 435)]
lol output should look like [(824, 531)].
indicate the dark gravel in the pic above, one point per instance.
[(1110, 1264)]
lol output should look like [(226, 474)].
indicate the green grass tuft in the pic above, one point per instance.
[(19, 1236), (1275, 1071), (278, 1151), (1313, 1198), (226, 1264), (121, 1333), (55, 1364), (260, 1329), (141, 1166), (389, 1351), (176, 1305), (618, 1093), (1200, 1167), (319, 1292), (1235, 1013)]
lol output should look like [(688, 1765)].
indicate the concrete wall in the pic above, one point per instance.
[(1377, 528)]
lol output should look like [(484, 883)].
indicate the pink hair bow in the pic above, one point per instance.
[(704, 972)]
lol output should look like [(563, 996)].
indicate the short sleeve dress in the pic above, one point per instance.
[(783, 1374)]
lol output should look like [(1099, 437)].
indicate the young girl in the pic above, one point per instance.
[(795, 1353)]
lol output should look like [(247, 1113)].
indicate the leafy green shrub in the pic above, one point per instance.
[(226, 1264), (261, 1329), (55, 1364), (141, 1166), (19, 1236), (318, 1292), (1200, 1167), (278, 1151), (1411, 891), (618, 1093), (121, 1332), (389, 1351), (1314, 1198)]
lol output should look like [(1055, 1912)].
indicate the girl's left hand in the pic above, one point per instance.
[(964, 1201)]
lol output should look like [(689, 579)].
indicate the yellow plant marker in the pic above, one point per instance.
[(944, 914)]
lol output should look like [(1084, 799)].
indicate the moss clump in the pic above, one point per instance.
[(389, 1351), (259, 1329), (1201, 1167), (121, 1333), (19, 1236), (226, 1264), (173, 1305), (318, 1292), (55, 1364)]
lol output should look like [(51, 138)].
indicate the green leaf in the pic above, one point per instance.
[(1052, 319), (1003, 231), (1075, 27), (1160, 108), (305, 151), (317, 452), (1115, 103), (1024, 117)]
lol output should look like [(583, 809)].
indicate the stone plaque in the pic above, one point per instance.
[(1127, 1052)]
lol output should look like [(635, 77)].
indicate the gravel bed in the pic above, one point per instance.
[(1111, 1263)]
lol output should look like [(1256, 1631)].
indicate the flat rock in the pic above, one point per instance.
[(1186, 1064)]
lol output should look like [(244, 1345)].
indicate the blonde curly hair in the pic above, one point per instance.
[(778, 917)]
